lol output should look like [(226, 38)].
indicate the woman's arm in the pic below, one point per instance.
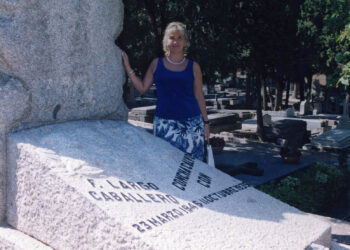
[(141, 85), (198, 93)]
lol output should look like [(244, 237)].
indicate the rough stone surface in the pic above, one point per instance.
[(14, 100), (11, 239), (58, 61), (2, 171), (109, 185)]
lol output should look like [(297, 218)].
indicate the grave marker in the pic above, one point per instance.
[(105, 184)]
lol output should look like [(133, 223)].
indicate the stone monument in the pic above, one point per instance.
[(344, 122), (109, 185), (305, 108), (58, 62), (79, 177), (290, 112), (267, 121)]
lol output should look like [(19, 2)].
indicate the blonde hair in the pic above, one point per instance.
[(171, 28)]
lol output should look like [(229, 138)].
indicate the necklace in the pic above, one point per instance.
[(172, 62)]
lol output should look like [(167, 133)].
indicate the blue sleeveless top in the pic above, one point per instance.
[(175, 97)]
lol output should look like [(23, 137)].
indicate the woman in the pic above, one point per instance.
[(181, 117)]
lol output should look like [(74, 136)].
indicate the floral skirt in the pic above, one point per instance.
[(187, 135)]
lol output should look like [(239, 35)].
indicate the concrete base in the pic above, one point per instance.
[(109, 185)]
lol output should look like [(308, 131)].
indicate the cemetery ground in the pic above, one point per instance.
[(316, 184)]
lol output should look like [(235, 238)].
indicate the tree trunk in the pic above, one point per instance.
[(270, 95), (279, 92), (157, 27), (309, 85), (264, 94), (248, 93), (347, 100), (260, 126), (286, 104), (295, 90), (302, 88)]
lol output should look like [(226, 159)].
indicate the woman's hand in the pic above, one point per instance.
[(206, 132), (126, 61)]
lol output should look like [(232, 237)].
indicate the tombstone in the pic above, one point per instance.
[(344, 122), (315, 88), (267, 120), (205, 89), (305, 108), (223, 122), (218, 87), (336, 141), (143, 114), (108, 185), (290, 112), (78, 177), (290, 129), (345, 105), (317, 106)]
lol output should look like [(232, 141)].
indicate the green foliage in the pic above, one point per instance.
[(211, 25), (284, 40), (318, 28), (344, 56), (345, 75), (313, 189)]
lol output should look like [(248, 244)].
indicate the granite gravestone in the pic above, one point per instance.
[(58, 62), (109, 185)]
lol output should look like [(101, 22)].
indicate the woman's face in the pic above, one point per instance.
[(176, 42)]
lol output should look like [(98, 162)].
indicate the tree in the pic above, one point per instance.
[(343, 58), (211, 25), (318, 28)]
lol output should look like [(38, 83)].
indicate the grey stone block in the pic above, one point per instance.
[(109, 185), (12, 239), (2, 171), (14, 100), (59, 62)]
